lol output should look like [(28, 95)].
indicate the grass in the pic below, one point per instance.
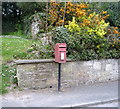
[(17, 33), (8, 78), (14, 46), (11, 47)]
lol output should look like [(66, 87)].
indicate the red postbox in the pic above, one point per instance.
[(60, 52)]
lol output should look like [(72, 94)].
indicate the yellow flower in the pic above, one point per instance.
[(98, 46), (61, 21), (104, 12), (105, 17), (61, 9), (116, 32), (69, 4), (115, 27), (86, 21), (67, 12), (73, 26), (72, 9), (90, 15)]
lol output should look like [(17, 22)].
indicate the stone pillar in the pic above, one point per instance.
[(34, 29)]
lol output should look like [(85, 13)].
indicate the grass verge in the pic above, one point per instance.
[(8, 75), (14, 46), (11, 47)]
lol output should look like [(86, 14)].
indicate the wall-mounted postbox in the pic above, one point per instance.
[(60, 52)]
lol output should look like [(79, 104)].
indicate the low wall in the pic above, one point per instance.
[(37, 74)]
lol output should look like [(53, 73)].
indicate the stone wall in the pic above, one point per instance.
[(38, 74)]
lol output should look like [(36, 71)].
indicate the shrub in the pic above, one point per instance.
[(36, 51), (60, 13), (60, 35), (40, 51), (88, 36)]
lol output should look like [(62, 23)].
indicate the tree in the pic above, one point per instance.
[(10, 16)]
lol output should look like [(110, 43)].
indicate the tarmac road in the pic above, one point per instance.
[(97, 95)]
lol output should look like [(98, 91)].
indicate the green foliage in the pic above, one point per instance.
[(29, 12), (88, 48), (60, 35), (83, 46), (20, 34), (36, 51), (10, 17), (114, 12), (8, 75), (15, 14), (20, 31), (113, 9), (29, 8)]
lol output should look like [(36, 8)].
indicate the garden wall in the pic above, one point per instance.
[(37, 74)]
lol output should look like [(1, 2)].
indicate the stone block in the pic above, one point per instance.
[(109, 67), (97, 65), (88, 63), (42, 76)]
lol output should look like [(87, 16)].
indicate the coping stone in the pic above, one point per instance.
[(33, 61)]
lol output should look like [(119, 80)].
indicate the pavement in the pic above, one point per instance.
[(83, 96), (10, 36)]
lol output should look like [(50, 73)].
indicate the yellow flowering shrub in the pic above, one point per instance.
[(88, 30), (73, 26), (92, 24), (58, 12)]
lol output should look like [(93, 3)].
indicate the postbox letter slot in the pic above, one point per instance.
[(62, 47)]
